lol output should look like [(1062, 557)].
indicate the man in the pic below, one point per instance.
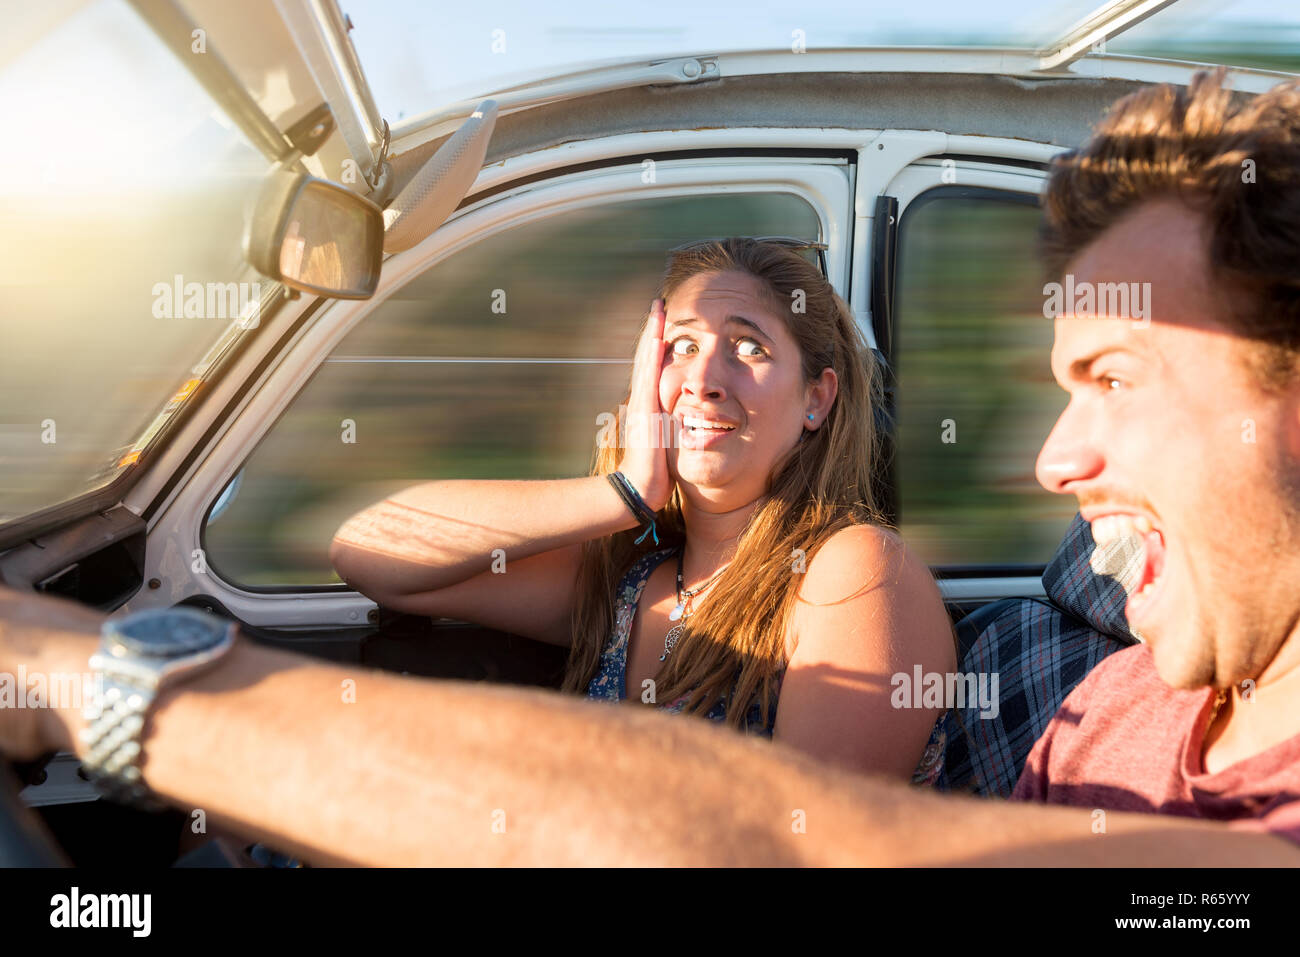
[(1184, 430)]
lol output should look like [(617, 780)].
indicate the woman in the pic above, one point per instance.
[(764, 592)]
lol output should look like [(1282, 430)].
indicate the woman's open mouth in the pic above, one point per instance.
[(699, 433), (1146, 590)]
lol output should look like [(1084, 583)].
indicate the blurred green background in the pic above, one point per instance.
[(972, 358)]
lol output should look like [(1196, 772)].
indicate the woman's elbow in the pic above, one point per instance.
[(340, 553), (353, 560), (343, 557)]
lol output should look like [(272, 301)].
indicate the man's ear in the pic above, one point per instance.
[(821, 394)]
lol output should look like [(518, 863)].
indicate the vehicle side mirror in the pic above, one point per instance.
[(316, 236)]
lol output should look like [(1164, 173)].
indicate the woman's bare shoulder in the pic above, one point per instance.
[(865, 577), (855, 557)]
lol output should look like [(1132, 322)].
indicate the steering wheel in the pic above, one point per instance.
[(24, 839)]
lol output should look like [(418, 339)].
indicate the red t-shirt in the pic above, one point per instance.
[(1125, 741)]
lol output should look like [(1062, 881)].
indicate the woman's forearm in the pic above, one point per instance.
[(440, 533)]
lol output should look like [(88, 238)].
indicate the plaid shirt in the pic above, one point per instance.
[(1039, 650)]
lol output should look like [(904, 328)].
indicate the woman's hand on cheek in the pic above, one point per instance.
[(649, 430)]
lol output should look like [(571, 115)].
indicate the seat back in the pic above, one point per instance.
[(1039, 650)]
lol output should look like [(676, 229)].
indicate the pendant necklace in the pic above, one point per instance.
[(683, 609)]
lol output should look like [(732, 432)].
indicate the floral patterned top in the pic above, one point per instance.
[(608, 684), (610, 677)]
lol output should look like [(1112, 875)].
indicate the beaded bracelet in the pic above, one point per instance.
[(636, 503)]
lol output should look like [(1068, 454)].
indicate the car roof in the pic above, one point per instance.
[(980, 92), (702, 70), (423, 63)]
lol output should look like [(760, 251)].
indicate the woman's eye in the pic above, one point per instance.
[(681, 345), (757, 349)]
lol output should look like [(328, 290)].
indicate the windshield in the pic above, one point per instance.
[(1263, 34), (123, 189)]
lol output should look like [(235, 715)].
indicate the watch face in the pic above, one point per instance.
[(168, 632)]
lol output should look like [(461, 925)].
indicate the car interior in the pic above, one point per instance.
[(501, 249)]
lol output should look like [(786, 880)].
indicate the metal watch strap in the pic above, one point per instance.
[(112, 735), (140, 655)]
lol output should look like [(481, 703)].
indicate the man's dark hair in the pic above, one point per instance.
[(1234, 158)]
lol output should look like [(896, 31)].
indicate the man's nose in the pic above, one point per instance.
[(1067, 457)]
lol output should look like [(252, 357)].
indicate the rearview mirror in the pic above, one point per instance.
[(316, 236)]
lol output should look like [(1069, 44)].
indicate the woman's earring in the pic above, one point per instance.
[(811, 416)]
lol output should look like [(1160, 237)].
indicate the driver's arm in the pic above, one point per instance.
[(413, 771)]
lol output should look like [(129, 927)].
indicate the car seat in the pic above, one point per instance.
[(1039, 649)]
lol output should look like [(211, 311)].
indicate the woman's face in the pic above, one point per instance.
[(731, 361)]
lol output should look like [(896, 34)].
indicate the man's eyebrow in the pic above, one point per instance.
[(1079, 367), (730, 320)]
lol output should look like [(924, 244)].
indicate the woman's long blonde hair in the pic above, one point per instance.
[(734, 643)]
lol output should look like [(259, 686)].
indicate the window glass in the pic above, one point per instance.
[(1263, 34), (495, 363), (976, 396)]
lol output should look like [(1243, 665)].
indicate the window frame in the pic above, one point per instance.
[(919, 184), (824, 180)]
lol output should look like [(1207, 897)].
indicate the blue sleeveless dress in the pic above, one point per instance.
[(608, 683)]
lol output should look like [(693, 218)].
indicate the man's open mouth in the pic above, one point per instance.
[(1146, 588)]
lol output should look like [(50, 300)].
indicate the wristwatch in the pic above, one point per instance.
[(139, 654)]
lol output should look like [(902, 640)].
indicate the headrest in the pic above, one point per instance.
[(1093, 583)]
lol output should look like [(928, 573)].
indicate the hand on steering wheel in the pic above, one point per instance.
[(31, 625)]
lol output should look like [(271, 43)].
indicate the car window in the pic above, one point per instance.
[(120, 256), (494, 363), (976, 397)]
